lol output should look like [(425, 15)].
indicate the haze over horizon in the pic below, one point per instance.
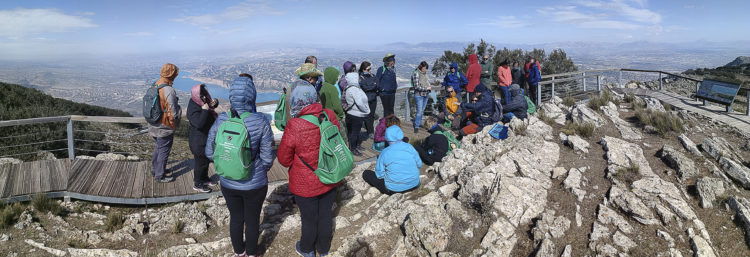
[(39, 29)]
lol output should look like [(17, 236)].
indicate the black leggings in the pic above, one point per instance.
[(317, 221), (388, 101), (370, 119), (244, 213), (353, 130), (379, 183), (200, 170)]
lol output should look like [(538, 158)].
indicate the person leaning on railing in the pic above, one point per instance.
[(163, 132)]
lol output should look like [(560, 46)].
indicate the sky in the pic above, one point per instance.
[(37, 29)]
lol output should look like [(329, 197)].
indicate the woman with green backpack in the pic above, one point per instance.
[(299, 150), (240, 144)]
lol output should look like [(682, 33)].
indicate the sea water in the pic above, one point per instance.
[(185, 84)]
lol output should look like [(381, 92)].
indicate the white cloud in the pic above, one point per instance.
[(611, 14), (19, 23), (139, 34), (241, 11), (505, 22)]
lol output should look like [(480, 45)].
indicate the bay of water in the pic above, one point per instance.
[(185, 84)]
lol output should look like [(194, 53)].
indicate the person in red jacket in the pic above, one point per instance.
[(301, 141), (473, 74)]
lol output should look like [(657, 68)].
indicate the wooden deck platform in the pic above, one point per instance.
[(713, 111), (121, 182)]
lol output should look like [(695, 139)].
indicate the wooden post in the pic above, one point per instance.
[(619, 80), (660, 81), (71, 148), (584, 82), (538, 94), (553, 86), (598, 83)]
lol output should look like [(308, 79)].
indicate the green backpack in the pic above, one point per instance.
[(532, 108), (335, 161), (233, 158), (453, 143), (279, 117)]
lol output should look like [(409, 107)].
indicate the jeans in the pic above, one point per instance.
[(353, 129), (388, 101), (244, 214), (506, 94), (421, 102), (162, 148), (317, 221)]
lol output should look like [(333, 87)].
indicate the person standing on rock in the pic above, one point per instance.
[(163, 132), (201, 114), (368, 84), (505, 77), (533, 76), (517, 74), (397, 168), (356, 100), (245, 197), (299, 148), (386, 82), (421, 84)]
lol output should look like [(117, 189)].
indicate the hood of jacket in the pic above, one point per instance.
[(454, 65), (352, 79), (242, 95), (481, 88), (473, 59), (330, 75), (394, 134), (515, 90), (195, 94)]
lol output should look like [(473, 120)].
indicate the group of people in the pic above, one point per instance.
[(350, 96)]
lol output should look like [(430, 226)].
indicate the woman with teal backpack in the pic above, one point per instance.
[(242, 174)]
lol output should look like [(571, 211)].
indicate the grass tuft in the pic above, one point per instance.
[(664, 122), (44, 204), (546, 119), (78, 243), (630, 98), (114, 221), (10, 214), (574, 128), (569, 101), (520, 130), (631, 169), (178, 227)]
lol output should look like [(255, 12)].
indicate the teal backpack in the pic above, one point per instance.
[(335, 161), (531, 107), (453, 143), (233, 157)]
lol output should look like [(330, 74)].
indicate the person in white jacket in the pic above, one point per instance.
[(357, 111)]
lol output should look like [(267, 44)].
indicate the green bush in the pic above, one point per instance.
[(178, 227), (44, 204), (9, 214), (574, 128), (569, 101), (663, 122)]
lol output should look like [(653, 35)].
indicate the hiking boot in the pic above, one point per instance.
[(310, 254), (355, 152), (202, 189), (165, 179)]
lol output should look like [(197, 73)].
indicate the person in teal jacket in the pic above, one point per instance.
[(397, 169)]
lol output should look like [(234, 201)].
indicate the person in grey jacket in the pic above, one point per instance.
[(245, 197), (163, 132), (358, 111)]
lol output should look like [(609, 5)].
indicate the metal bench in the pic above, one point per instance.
[(718, 92)]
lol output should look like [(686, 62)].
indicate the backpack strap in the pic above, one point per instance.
[(315, 121)]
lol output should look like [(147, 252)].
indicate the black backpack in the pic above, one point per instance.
[(498, 108), (151, 106)]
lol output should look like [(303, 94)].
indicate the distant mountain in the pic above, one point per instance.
[(739, 61)]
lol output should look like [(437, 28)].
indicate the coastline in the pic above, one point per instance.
[(213, 81)]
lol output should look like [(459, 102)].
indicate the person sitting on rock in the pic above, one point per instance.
[(517, 106), (435, 146), (397, 168), (379, 142), (451, 108), (478, 112)]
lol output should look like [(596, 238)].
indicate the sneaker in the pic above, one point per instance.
[(209, 183), (360, 148), (322, 254), (165, 179), (310, 254), (202, 189), (237, 254), (355, 152)]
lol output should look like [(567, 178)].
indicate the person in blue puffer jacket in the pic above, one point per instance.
[(397, 168), (245, 197), (455, 79)]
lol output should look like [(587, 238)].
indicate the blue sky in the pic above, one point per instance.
[(30, 29)]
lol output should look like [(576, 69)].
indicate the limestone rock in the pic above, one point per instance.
[(448, 190), (101, 252), (537, 128), (292, 221), (689, 145), (45, 155), (550, 226), (628, 202), (654, 104), (341, 222), (577, 143), (428, 230), (608, 216), (188, 214), (623, 241), (453, 164), (111, 157), (700, 246), (708, 189), (558, 172), (375, 227), (736, 171), (742, 207), (520, 199), (718, 147), (50, 250), (583, 114), (546, 249), (500, 238), (599, 232), (624, 155), (10, 160), (554, 112), (204, 249), (573, 182), (567, 252), (675, 159)]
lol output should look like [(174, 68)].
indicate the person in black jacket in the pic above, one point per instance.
[(368, 84), (517, 104), (517, 74), (201, 114), (435, 146)]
